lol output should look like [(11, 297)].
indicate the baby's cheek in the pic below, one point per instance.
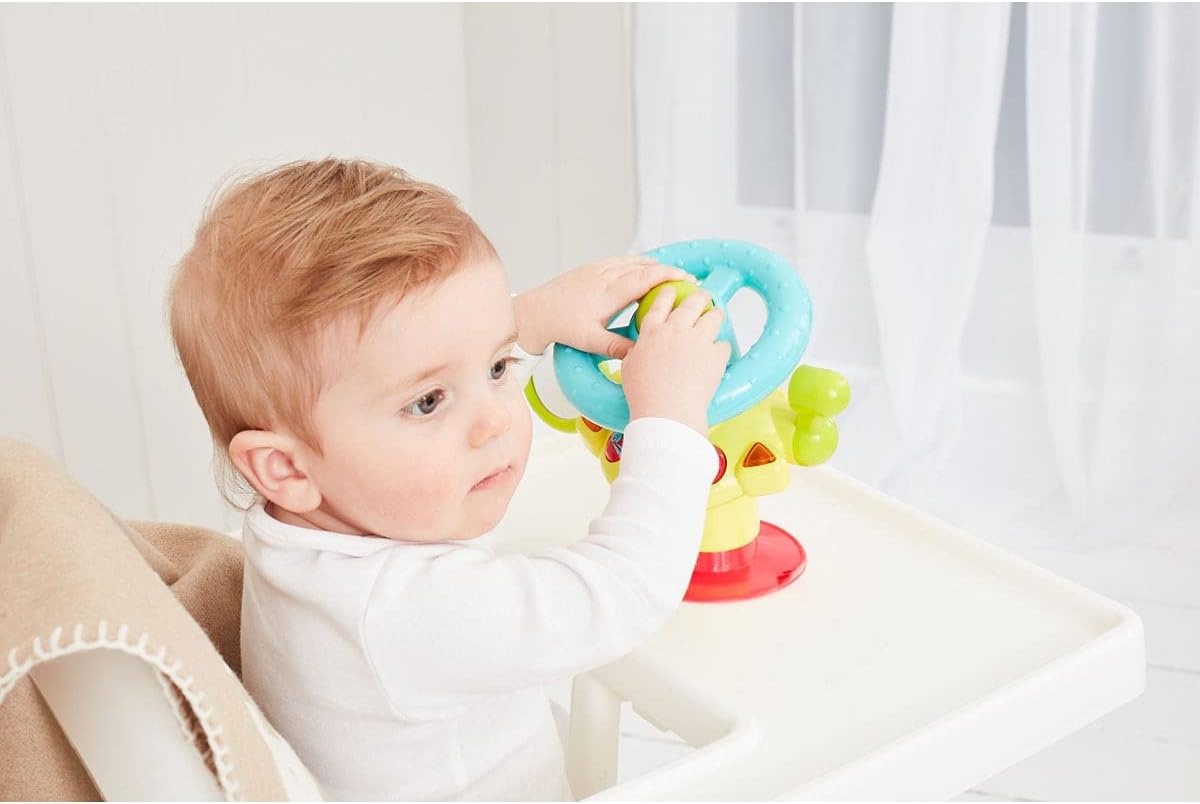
[(421, 500)]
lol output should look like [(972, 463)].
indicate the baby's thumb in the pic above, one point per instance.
[(610, 344)]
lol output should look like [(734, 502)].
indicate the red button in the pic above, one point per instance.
[(721, 464)]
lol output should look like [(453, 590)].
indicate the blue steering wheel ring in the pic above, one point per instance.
[(723, 267)]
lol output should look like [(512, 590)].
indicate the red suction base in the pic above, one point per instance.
[(770, 562)]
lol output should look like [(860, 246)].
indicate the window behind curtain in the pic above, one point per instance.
[(844, 75)]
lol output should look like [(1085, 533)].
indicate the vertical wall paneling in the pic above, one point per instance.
[(56, 100), (593, 123), (510, 100), (26, 395), (286, 89), (126, 119), (117, 122), (550, 119)]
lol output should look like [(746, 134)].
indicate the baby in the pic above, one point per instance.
[(351, 340)]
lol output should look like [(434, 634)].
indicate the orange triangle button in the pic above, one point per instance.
[(758, 455)]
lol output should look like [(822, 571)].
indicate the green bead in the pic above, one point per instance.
[(821, 390)]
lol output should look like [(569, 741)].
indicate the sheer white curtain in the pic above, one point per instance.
[(997, 211)]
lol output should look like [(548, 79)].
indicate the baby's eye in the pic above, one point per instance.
[(500, 367), (426, 404)]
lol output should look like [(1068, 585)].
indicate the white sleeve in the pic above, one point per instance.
[(468, 622)]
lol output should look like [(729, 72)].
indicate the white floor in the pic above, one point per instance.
[(1148, 749)]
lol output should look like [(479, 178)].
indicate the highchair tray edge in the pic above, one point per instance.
[(910, 661)]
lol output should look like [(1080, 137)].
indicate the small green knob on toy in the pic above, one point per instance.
[(820, 390), (683, 289), (814, 440)]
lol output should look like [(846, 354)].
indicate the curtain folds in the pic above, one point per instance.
[(997, 210)]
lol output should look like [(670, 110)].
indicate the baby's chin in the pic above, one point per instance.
[(490, 520), (487, 524)]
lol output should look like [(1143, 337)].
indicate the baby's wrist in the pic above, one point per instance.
[(531, 336), (689, 415)]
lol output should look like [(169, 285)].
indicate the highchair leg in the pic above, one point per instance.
[(666, 699), (593, 737)]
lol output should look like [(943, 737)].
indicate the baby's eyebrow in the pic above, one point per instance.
[(389, 390), (406, 382)]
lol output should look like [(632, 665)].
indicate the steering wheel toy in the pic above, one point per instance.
[(757, 429), (723, 267)]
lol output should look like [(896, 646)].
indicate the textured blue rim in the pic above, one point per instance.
[(723, 268)]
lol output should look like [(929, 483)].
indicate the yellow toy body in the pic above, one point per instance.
[(755, 448), (740, 556)]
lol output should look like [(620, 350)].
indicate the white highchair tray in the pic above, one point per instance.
[(910, 661)]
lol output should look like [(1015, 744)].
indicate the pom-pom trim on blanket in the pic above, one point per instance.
[(172, 670)]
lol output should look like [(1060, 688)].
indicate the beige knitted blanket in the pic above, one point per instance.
[(74, 578)]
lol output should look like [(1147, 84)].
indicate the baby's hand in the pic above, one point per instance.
[(573, 308), (674, 368)]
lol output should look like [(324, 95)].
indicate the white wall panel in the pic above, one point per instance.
[(510, 91), (26, 398), (125, 118), (118, 121), (57, 103), (593, 130), (550, 119)]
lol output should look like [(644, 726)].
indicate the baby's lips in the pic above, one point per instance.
[(493, 473)]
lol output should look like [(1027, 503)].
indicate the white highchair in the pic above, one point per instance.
[(892, 656), (910, 661), (881, 654)]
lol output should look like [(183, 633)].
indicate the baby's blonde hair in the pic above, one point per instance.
[(279, 256)]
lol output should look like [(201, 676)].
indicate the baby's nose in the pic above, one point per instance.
[(494, 420)]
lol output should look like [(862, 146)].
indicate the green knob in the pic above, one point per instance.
[(820, 390), (815, 439)]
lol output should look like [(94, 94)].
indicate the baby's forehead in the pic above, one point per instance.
[(466, 312), (396, 337)]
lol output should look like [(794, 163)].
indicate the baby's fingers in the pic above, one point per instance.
[(637, 281), (710, 322), (690, 309), (725, 350), (659, 309), (613, 268)]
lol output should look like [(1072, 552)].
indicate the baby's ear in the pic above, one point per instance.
[(271, 463)]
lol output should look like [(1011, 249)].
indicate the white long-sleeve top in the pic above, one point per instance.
[(412, 671)]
